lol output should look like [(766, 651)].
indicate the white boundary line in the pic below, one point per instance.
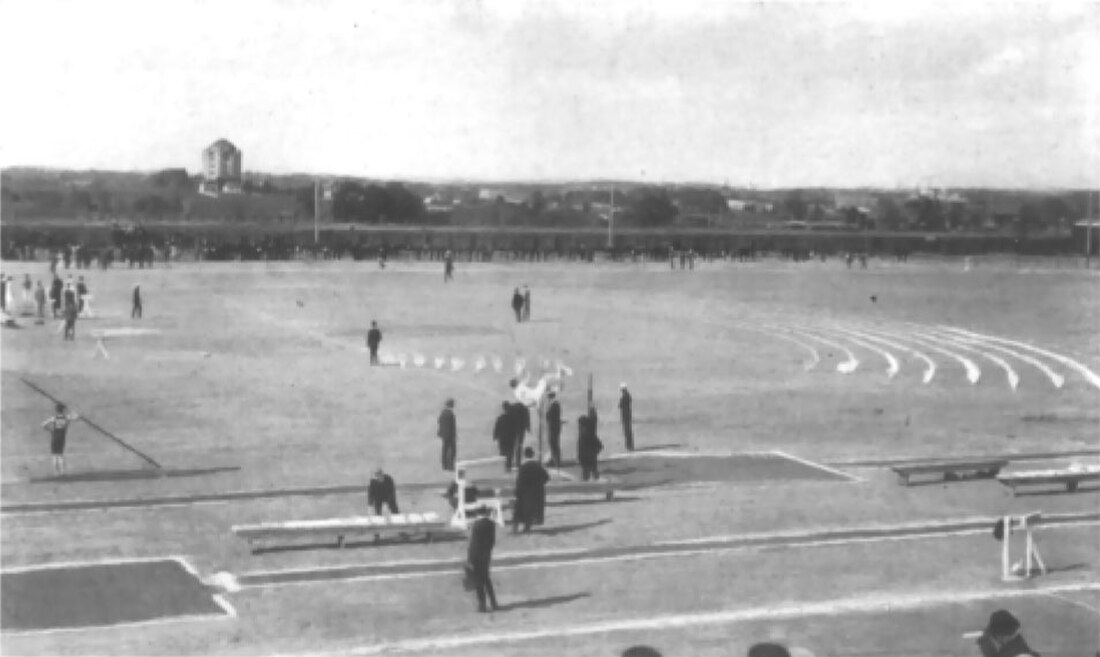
[(641, 556), (126, 624), (868, 604), (819, 466), (64, 565)]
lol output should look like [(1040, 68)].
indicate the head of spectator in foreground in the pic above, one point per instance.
[(59, 408), (529, 453), (450, 403)]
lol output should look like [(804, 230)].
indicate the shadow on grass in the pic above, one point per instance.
[(539, 603), (654, 448), (358, 545), (130, 475), (601, 500), (569, 529), (1063, 491)]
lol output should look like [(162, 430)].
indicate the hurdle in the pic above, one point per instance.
[(1003, 530)]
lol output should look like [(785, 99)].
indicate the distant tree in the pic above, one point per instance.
[(650, 209), (795, 205)]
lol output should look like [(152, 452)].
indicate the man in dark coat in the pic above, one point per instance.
[(1002, 638), (517, 305), (374, 338), (530, 493), (135, 309), (448, 433), (505, 436), (382, 491), (553, 423), (521, 424), (479, 555), (626, 414), (56, 289), (588, 448)]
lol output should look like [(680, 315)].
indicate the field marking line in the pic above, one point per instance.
[(866, 604), (229, 610), (929, 364), (1056, 379), (774, 334), (892, 365), (1010, 373), (851, 364), (973, 372), (639, 556), (1089, 375), (125, 624), (1076, 603), (813, 464), (66, 565)]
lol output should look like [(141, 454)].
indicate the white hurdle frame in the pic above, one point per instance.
[(1031, 556)]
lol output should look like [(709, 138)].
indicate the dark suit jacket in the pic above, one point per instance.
[(483, 536), (553, 417), (374, 338), (382, 491), (447, 428), (531, 492), (504, 434)]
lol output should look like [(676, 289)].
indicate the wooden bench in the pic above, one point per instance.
[(950, 469), (1071, 479), (402, 524)]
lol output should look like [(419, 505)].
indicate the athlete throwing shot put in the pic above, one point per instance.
[(58, 426)]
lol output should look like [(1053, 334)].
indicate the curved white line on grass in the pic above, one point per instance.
[(1010, 374), (973, 372), (771, 333), (929, 364), (1055, 378), (851, 364), (892, 366)]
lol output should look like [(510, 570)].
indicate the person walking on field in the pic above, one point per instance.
[(531, 482), (517, 305), (626, 414), (479, 556), (135, 310), (505, 436), (374, 338), (553, 423), (58, 426), (448, 433)]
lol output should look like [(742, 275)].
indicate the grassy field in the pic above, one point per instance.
[(255, 376)]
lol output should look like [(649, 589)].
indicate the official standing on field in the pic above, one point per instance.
[(521, 424), (626, 414), (588, 448), (479, 556), (448, 433), (517, 305), (553, 423), (531, 482), (374, 338), (505, 435)]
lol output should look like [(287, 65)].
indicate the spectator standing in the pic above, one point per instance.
[(588, 448), (626, 414), (531, 482), (448, 433), (553, 424), (517, 305), (40, 301), (374, 338), (382, 492), (479, 557), (505, 435)]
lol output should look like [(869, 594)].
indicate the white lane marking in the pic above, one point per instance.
[(1089, 375), (858, 604), (1010, 374), (851, 364), (185, 618), (777, 333), (72, 565), (973, 372), (1056, 379), (818, 466), (1076, 603), (892, 365), (929, 364)]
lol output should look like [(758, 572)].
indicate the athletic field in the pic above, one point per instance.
[(770, 400)]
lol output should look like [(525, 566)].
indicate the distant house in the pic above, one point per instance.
[(221, 168), (862, 202), (744, 205)]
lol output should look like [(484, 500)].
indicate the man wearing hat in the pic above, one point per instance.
[(448, 433), (626, 414), (479, 555), (530, 505), (382, 491), (1002, 638)]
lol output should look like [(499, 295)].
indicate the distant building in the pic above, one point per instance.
[(221, 168)]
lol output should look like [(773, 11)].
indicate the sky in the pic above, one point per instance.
[(764, 94)]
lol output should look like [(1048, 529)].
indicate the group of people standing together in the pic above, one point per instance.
[(521, 304)]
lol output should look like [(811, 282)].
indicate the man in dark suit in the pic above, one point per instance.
[(521, 424), (505, 436), (553, 423), (626, 414), (479, 555), (382, 491), (1002, 638), (374, 338), (448, 433), (517, 305), (530, 493)]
